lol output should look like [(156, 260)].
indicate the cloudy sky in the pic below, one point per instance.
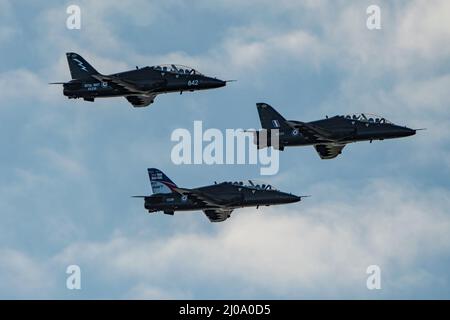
[(68, 168)]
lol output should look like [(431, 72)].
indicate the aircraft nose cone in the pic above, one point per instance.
[(406, 132), (291, 198), (214, 83), (411, 132)]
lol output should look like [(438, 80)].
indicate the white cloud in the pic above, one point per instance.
[(65, 163), (322, 249), (23, 85), (20, 275), (319, 249), (425, 29), (251, 51), (142, 292), (431, 95)]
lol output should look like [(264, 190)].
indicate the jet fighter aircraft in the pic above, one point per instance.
[(139, 87), (217, 201), (328, 136)]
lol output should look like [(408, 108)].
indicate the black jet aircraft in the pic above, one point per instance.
[(139, 86), (328, 136), (217, 201)]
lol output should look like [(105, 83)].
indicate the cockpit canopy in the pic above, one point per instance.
[(177, 69), (253, 184), (367, 117)]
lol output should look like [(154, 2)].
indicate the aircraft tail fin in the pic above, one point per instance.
[(79, 68), (270, 118), (160, 182)]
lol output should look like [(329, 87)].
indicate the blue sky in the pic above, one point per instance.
[(70, 167)]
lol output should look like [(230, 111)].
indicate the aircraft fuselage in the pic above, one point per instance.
[(230, 195), (345, 131), (146, 79)]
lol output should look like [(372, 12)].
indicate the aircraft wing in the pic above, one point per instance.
[(218, 215), (329, 151), (141, 100), (311, 131), (201, 197), (130, 86)]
